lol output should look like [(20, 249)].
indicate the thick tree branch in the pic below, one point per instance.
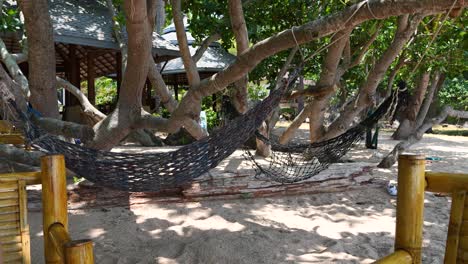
[(349, 17), (239, 28), (416, 136), (20, 155), (365, 47), (428, 99), (13, 69), (190, 67), (87, 107), (204, 46), (367, 90), (67, 129), (118, 34), (323, 91)]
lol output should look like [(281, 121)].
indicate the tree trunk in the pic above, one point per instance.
[(428, 100), (239, 27), (367, 91), (417, 135), (408, 123), (315, 108), (41, 56), (118, 124)]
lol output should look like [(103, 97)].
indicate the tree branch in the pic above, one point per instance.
[(204, 46), (190, 67), (87, 107), (349, 17), (416, 136), (64, 128)]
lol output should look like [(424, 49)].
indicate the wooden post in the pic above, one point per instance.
[(91, 74), (176, 91), (410, 205), (455, 225), (118, 69), (54, 201), (79, 252)]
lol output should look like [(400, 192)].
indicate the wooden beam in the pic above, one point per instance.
[(91, 74), (118, 69)]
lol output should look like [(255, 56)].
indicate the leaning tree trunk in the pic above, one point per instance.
[(41, 56), (408, 123), (428, 99), (120, 122), (416, 136), (365, 98)]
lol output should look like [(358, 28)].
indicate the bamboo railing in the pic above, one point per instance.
[(8, 135), (58, 246), (413, 181)]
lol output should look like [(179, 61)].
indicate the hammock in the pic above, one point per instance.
[(158, 171), (297, 162)]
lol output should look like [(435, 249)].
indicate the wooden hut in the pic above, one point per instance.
[(214, 59), (85, 47)]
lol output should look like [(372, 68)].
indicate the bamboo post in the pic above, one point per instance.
[(456, 220), (79, 252), (54, 201), (399, 257), (410, 205)]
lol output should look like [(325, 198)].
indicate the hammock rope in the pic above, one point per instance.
[(156, 171), (297, 162)]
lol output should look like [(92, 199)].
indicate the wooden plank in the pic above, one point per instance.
[(29, 177), (10, 232), (12, 256), (13, 247), (9, 225), (9, 195), (9, 209), (8, 202), (24, 227), (12, 217), (11, 139), (10, 239), (455, 222), (8, 185)]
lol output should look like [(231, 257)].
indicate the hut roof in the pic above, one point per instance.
[(214, 59), (89, 23)]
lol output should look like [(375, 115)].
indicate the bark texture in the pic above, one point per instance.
[(239, 28), (408, 123), (417, 135), (366, 96), (41, 56)]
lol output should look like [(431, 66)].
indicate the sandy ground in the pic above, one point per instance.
[(349, 227)]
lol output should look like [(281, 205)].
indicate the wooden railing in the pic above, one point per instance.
[(58, 246), (413, 182)]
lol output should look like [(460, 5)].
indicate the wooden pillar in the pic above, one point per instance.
[(300, 100), (73, 74), (54, 201), (91, 75), (410, 205), (176, 91), (118, 68)]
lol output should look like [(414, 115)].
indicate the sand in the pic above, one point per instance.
[(347, 227)]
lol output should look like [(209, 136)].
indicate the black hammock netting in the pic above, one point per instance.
[(159, 171), (296, 162), (156, 171)]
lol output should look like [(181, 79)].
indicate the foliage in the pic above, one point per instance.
[(106, 91), (454, 92), (9, 19), (257, 92)]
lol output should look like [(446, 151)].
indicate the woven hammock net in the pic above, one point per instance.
[(156, 171), (161, 171), (298, 162)]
